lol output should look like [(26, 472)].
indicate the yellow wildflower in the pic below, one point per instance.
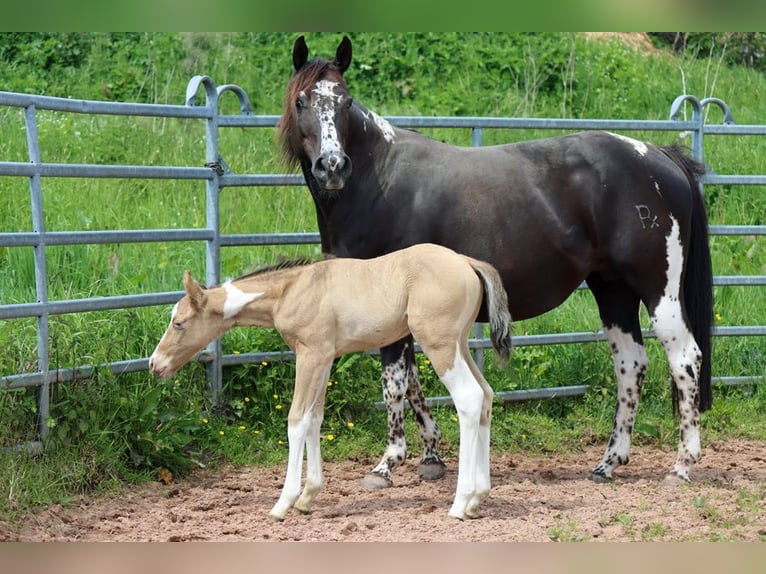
[(350, 425), (204, 421), (278, 407), (330, 437), (247, 399)]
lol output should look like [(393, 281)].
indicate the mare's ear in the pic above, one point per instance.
[(300, 53), (194, 291), (343, 55)]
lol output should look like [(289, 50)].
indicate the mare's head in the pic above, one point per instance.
[(315, 116), (196, 320)]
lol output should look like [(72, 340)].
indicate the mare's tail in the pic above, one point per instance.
[(698, 276), (497, 307)]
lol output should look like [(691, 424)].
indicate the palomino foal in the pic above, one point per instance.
[(336, 306)]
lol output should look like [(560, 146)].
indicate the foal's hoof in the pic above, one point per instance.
[(375, 482), (599, 478), (432, 470)]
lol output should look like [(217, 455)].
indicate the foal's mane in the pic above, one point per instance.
[(286, 264), (311, 72)]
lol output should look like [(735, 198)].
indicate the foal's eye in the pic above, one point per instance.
[(349, 103), (178, 325), (299, 104)]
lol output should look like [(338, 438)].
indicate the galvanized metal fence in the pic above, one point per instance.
[(214, 171)]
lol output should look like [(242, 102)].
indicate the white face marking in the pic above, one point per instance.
[(324, 107), (383, 125), (640, 147), (236, 299)]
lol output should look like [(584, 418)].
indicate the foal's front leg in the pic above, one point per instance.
[(303, 426)]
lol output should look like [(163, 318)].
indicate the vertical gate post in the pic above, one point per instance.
[(41, 274), (212, 215)]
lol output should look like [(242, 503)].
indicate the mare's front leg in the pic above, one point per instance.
[(399, 379), (303, 426)]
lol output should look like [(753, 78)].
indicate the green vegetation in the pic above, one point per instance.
[(107, 429)]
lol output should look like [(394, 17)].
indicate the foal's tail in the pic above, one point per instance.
[(497, 307), (698, 277)]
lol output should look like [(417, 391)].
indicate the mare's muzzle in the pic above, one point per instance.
[(332, 170)]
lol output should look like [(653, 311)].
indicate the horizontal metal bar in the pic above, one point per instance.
[(30, 239), (233, 180), (487, 122), (104, 108), (715, 179), (245, 239), (104, 171), (19, 310), (26, 380), (737, 230)]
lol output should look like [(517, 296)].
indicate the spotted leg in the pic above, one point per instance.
[(399, 379), (431, 466), (685, 359), (618, 307), (630, 364)]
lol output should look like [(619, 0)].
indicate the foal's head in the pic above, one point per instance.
[(314, 120), (196, 320)]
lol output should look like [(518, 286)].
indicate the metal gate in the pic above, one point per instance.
[(212, 169)]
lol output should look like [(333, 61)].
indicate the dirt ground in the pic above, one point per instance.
[(533, 498)]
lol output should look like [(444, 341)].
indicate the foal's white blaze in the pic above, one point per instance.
[(640, 147), (473, 481), (324, 107), (157, 358), (236, 299)]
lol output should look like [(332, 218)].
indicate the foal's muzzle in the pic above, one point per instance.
[(332, 170)]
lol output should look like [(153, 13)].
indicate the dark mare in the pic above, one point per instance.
[(625, 216)]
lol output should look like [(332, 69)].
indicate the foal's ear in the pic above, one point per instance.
[(194, 291), (300, 53), (343, 55)]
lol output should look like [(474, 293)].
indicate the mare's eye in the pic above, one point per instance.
[(349, 103), (299, 105), (178, 325)]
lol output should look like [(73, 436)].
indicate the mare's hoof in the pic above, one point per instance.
[(432, 470), (375, 482), (599, 478)]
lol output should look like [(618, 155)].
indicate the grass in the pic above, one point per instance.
[(108, 429)]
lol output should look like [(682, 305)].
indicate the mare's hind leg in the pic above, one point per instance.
[(618, 307), (685, 360), (399, 378), (431, 467)]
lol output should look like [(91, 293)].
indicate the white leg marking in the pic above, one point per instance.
[(296, 436), (684, 356), (473, 462)]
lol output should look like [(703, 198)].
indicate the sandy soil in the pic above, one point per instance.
[(533, 499)]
